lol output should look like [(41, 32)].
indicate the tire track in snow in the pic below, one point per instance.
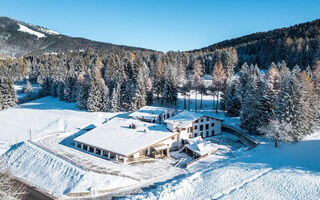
[(230, 190)]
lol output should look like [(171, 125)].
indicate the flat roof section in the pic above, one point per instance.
[(149, 112), (118, 136)]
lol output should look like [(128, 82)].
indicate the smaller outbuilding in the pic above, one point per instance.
[(153, 114), (197, 147)]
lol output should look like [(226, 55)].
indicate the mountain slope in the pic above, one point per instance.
[(297, 45), (19, 38)]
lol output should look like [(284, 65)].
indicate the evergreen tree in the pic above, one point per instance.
[(70, 86), (115, 99), (170, 90), (292, 107), (83, 92), (232, 103), (98, 94)]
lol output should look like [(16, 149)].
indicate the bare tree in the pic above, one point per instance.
[(197, 79), (277, 131), (218, 80)]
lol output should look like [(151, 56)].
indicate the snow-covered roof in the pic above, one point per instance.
[(148, 112), (116, 136), (183, 118), (200, 146)]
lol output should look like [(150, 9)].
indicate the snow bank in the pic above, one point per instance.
[(56, 175), (32, 32)]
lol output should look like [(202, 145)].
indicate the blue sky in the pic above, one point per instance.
[(161, 24)]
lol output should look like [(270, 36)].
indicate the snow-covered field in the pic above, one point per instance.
[(52, 163), (41, 117), (291, 171)]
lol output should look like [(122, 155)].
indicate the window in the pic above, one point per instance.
[(201, 127), (207, 133), (207, 118), (168, 116), (195, 127), (212, 124), (212, 132), (201, 134), (207, 126), (195, 135), (201, 120), (196, 121)]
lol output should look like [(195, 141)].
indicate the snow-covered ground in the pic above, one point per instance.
[(51, 162), (41, 117), (291, 171)]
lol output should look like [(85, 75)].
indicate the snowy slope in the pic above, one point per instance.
[(56, 175), (32, 32), (291, 171)]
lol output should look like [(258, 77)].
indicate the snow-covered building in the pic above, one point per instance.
[(192, 124), (126, 140), (153, 114), (197, 147)]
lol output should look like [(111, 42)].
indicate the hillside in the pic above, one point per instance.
[(19, 38), (297, 45)]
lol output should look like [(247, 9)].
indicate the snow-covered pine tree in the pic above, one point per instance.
[(83, 91), (170, 89), (248, 113), (316, 84), (291, 107), (268, 89), (243, 79), (115, 99), (138, 92), (232, 102), (70, 85), (98, 94)]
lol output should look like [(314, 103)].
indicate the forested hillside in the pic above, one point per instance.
[(296, 45), (282, 102), (18, 38)]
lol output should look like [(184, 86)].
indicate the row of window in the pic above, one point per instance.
[(206, 135), (201, 127)]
